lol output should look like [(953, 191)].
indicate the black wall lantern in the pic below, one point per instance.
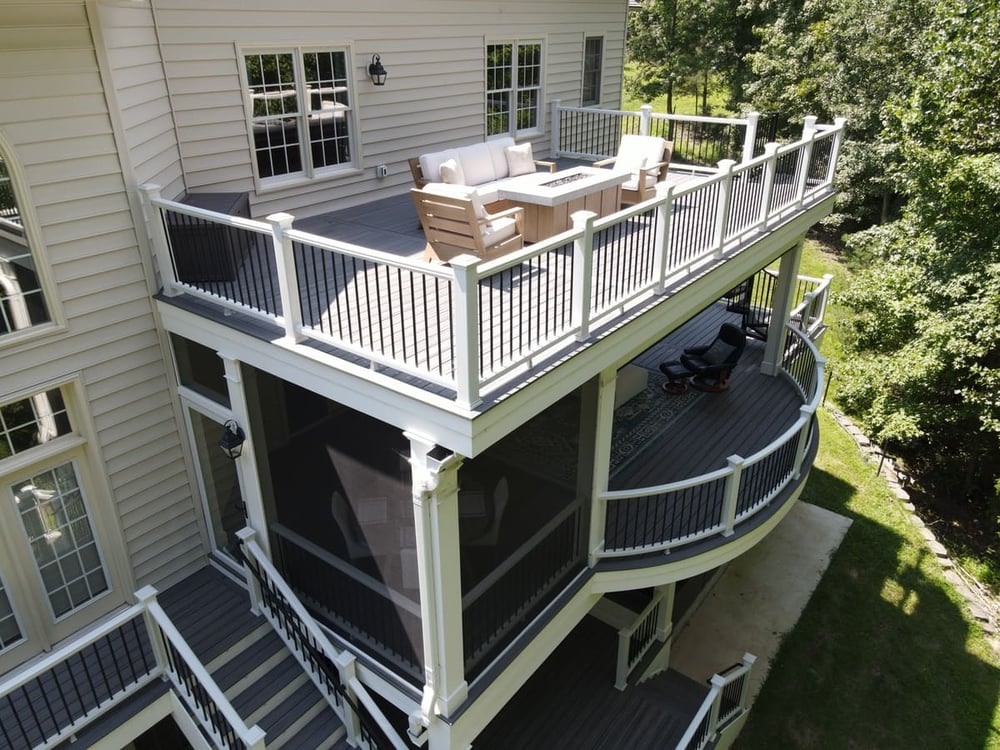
[(376, 72), (232, 439)]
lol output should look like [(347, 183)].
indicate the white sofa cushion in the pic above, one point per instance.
[(498, 151), (477, 164)]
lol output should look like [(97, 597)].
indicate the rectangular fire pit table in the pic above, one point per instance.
[(549, 199)]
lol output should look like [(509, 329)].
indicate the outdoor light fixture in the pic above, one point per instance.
[(232, 439), (376, 72)]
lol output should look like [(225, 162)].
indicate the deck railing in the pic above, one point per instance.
[(656, 519), (77, 683), (725, 703), (635, 641), (471, 325), (71, 687), (332, 671), (699, 141)]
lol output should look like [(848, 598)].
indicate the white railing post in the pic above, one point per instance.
[(805, 414), (724, 205), (246, 535), (621, 668), (153, 215), (645, 117), (661, 243), (555, 115), (750, 135), (838, 123), (284, 262), (809, 133), (146, 596), (823, 294), (732, 494), (583, 271), (770, 170), (748, 662), (718, 683), (348, 670), (465, 329)]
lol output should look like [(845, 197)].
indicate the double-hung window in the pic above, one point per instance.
[(299, 106), (22, 301), (513, 87)]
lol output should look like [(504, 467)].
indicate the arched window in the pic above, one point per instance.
[(22, 302)]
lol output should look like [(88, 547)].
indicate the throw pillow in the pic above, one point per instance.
[(520, 160), (451, 173)]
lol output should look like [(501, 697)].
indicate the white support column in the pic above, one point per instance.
[(607, 381), (246, 464), (435, 515), (781, 307), (284, 262)]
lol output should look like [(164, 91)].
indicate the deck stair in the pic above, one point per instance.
[(251, 664)]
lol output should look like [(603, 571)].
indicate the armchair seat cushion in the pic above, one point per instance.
[(499, 230)]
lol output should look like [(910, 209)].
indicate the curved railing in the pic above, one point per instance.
[(667, 516)]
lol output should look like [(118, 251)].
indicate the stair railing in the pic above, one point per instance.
[(192, 682), (332, 671), (725, 703), (635, 640)]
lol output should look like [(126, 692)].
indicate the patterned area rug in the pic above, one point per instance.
[(546, 446), (644, 418)]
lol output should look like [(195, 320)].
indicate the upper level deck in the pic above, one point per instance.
[(472, 345)]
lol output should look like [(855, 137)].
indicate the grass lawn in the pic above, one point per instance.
[(885, 654)]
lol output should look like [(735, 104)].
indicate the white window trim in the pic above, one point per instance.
[(33, 236), (307, 176), (39, 628), (512, 129)]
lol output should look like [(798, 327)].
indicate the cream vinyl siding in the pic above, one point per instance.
[(434, 96), (54, 115), (142, 97)]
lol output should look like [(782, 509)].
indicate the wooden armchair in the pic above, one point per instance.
[(455, 223), (646, 158)]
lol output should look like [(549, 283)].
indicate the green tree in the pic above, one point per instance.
[(924, 366), (841, 58)]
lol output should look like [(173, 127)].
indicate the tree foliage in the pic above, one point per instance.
[(681, 44), (924, 369)]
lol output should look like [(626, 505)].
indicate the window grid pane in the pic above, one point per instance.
[(55, 522), (329, 105), (513, 87), (10, 632), (32, 421), (593, 55), (22, 304), (499, 80)]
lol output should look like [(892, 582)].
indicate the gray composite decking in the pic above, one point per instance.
[(357, 301)]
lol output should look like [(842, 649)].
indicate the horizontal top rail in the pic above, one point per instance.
[(63, 652)]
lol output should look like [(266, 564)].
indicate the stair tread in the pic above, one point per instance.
[(255, 653), (256, 695), (317, 730), (282, 716)]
